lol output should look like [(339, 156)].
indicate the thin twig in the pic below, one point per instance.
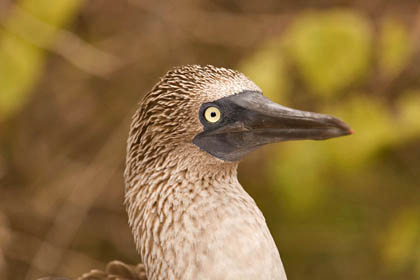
[(66, 44), (78, 203), (224, 26)]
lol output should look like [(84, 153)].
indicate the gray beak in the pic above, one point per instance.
[(250, 120)]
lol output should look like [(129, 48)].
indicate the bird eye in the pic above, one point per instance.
[(212, 114)]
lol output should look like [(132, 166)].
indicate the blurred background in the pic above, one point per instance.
[(72, 71)]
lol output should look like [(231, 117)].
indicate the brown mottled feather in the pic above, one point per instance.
[(115, 270)]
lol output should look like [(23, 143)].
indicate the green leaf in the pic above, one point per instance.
[(29, 29), (408, 107), (298, 180), (331, 49), (18, 72), (396, 47), (400, 244), (267, 68)]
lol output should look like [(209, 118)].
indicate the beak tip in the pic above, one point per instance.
[(343, 127)]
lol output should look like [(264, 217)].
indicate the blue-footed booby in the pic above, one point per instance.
[(189, 215)]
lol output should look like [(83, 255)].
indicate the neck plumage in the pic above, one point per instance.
[(191, 219)]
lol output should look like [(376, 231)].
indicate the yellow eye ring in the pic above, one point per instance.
[(212, 114)]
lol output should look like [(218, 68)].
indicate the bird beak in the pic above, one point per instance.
[(250, 120)]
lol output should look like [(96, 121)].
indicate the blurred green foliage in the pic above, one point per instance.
[(401, 247), (396, 46), (346, 208), (28, 30), (331, 50), (268, 67)]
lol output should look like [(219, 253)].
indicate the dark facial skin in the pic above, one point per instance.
[(249, 120)]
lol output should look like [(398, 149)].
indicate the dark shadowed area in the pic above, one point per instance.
[(72, 72)]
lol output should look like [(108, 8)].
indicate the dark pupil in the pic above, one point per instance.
[(213, 114)]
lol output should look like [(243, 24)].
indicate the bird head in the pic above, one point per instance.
[(219, 112)]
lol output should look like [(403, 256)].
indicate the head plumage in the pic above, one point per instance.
[(203, 82), (168, 114)]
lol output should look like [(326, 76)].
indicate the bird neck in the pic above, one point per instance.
[(190, 216), (171, 184)]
